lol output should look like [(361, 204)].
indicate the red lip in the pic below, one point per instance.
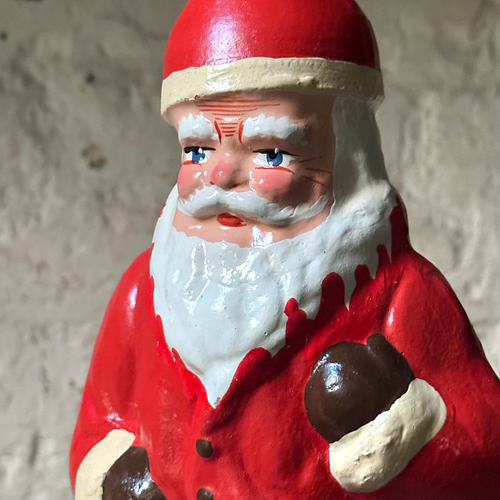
[(230, 220)]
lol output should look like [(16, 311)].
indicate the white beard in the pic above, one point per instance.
[(218, 301)]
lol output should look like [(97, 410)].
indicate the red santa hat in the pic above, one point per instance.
[(313, 46)]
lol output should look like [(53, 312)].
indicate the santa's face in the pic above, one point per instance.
[(256, 168), (218, 300)]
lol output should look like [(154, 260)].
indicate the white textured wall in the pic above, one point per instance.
[(86, 163)]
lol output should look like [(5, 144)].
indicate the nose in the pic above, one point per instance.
[(224, 175)]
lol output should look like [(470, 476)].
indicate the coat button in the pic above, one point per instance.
[(204, 448), (204, 494)]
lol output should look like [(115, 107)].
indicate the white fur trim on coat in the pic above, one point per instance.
[(366, 459), (98, 461)]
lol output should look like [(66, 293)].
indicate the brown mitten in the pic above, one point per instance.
[(130, 479), (353, 383)]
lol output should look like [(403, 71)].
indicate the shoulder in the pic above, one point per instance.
[(420, 284), (134, 278), (138, 271), (129, 303), (425, 319)]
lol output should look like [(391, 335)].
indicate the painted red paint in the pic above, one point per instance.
[(221, 116), (310, 179), (263, 444), (240, 101), (219, 133), (210, 32), (230, 220), (282, 169), (228, 110), (229, 106)]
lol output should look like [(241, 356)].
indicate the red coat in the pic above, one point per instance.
[(264, 446)]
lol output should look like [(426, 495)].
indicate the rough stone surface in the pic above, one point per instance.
[(86, 163)]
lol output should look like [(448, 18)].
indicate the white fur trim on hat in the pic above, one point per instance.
[(308, 75)]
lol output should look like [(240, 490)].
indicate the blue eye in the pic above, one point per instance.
[(274, 158), (197, 154), (269, 158)]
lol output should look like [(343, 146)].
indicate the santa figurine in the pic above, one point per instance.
[(281, 339)]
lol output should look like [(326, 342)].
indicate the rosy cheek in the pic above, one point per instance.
[(273, 184), (188, 180)]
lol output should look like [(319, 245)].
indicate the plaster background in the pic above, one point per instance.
[(86, 164)]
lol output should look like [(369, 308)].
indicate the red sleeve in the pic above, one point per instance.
[(429, 326), (109, 397)]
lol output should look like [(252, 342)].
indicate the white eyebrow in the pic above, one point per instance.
[(197, 127), (275, 127)]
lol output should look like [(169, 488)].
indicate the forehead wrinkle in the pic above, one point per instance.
[(234, 108)]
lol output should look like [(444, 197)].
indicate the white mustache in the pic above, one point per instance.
[(213, 200)]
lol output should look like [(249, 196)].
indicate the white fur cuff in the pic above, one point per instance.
[(98, 461), (366, 459)]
